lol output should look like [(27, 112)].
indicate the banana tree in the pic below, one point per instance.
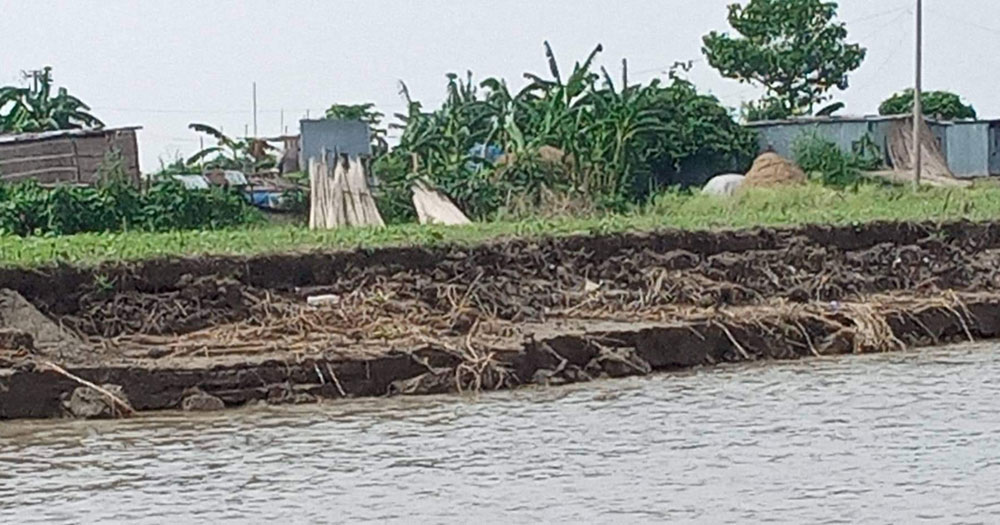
[(34, 108), (249, 155), (618, 139)]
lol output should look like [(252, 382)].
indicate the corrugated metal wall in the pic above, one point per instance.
[(969, 149), (994, 139), (781, 136), (343, 136)]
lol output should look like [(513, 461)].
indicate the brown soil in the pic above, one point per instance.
[(417, 320)]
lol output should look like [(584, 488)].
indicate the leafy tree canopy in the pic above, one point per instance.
[(795, 49)]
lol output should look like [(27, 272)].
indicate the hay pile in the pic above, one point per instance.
[(771, 169), (548, 156)]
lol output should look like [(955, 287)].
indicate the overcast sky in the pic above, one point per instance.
[(165, 64)]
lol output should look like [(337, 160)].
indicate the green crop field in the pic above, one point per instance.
[(784, 207)]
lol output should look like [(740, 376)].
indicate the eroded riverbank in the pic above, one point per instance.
[(413, 320)]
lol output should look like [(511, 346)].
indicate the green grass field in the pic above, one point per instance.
[(788, 206)]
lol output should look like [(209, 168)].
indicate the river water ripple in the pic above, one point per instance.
[(896, 438)]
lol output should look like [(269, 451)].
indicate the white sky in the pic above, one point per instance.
[(165, 64)]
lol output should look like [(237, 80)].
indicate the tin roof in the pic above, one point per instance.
[(834, 119), (46, 135)]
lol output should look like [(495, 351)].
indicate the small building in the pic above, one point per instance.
[(846, 132), (336, 137), (974, 148), (288, 158), (66, 156)]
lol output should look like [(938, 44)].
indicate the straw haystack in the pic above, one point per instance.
[(550, 156), (771, 169)]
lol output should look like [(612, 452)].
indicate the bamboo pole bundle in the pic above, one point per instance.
[(340, 195)]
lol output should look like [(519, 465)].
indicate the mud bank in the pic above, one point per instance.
[(209, 333)]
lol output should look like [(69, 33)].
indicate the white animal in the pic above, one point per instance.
[(723, 185)]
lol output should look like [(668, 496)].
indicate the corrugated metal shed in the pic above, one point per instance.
[(66, 156), (995, 148), (974, 150), (845, 132), (350, 137)]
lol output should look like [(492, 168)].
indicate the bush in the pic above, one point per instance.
[(115, 205), (765, 109), (621, 140), (825, 161), (937, 104)]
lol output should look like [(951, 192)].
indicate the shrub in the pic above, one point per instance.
[(115, 204), (623, 138), (936, 104), (825, 161)]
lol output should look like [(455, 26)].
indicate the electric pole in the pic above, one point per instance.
[(35, 75), (918, 110), (255, 110)]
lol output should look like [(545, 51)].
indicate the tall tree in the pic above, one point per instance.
[(795, 49), (34, 108)]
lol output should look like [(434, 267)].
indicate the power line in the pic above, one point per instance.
[(195, 111), (896, 47), (664, 69), (902, 10), (981, 27), (879, 14), (905, 11)]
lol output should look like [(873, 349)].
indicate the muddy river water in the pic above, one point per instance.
[(896, 438)]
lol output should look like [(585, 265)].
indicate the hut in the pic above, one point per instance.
[(70, 156)]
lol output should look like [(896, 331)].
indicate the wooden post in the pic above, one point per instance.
[(76, 161)]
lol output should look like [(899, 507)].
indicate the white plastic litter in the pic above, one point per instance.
[(318, 300)]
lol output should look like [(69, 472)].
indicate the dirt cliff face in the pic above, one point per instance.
[(415, 320), (522, 281)]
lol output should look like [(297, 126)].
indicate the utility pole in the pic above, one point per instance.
[(255, 110), (918, 110), (35, 75)]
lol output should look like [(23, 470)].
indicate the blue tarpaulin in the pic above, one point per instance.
[(483, 152)]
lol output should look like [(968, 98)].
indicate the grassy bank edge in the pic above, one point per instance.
[(810, 204)]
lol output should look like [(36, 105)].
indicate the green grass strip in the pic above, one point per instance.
[(811, 204)]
